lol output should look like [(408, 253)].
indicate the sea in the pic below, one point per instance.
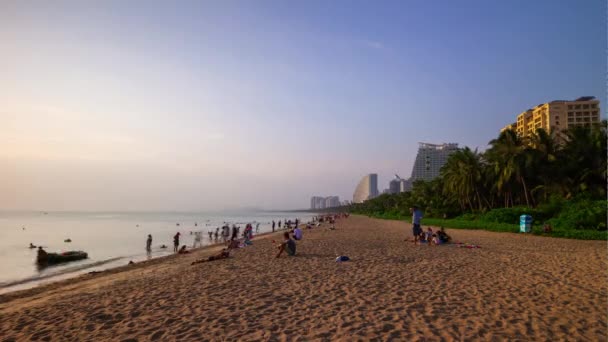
[(111, 239)]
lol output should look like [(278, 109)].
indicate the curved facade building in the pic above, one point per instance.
[(367, 188)]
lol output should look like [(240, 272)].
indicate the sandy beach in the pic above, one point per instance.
[(515, 287)]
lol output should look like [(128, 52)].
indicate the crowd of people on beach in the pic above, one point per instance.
[(293, 232)]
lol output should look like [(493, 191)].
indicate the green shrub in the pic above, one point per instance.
[(582, 215), (511, 215)]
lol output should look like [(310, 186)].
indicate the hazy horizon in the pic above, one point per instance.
[(206, 106)]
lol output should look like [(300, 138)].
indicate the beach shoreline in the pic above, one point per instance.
[(78, 278), (515, 286)]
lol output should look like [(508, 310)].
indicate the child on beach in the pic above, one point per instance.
[(434, 240), (429, 234), (422, 238)]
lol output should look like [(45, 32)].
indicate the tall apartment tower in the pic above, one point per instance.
[(430, 159), (556, 116), (366, 189), (332, 201)]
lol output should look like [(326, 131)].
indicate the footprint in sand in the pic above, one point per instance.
[(157, 335)]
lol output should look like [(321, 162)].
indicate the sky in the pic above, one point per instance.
[(212, 105)]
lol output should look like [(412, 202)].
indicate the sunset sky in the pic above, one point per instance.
[(207, 105)]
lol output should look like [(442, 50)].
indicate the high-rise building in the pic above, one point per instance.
[(394, 186), (318, 202), (405, 185), (556, 116), (332, 201), (366, 189), (429, 160), (398, 185)]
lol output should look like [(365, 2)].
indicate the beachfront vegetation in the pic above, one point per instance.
[(560, 184)]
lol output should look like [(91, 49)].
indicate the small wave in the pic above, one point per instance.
[(57, 274)]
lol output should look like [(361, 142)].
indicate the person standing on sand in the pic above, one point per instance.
[(273, 224), (176, 242), (416, 219), (234, 232), (279, 224), (149, 243)]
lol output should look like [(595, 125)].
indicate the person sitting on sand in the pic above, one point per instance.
[(422, 237), (429, 234), (434, 240), (443, 236), (32, 245), (297, 234), (225, 253), (183, 250), (289, 246)]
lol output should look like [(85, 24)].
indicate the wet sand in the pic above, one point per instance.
[(515, 287)]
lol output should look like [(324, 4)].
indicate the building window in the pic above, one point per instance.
[(570, 106), (570, 119), (594, 112), (579, 113), (585, 106), (586, 119), (577, 107), (570, 113), (556, 123), (579, 119), (593, 105)]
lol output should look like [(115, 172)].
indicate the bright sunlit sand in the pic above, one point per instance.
[(514, 287)]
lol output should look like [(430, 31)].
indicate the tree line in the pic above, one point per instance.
[(514, 172)]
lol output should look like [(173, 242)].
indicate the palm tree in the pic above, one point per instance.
[(462, 175), (585, 153), (508, 158), (542, 154)]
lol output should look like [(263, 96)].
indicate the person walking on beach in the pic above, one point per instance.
[(416, 218), (235, 232), (176, 242), (198, 239), (257, 228), (149, 243), (279, 224), (273, 224)]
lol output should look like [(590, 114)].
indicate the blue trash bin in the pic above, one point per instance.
[(525, 224)]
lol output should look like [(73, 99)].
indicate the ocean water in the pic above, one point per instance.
[(110, 239)]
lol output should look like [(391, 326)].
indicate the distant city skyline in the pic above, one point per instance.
[(203, 105)]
